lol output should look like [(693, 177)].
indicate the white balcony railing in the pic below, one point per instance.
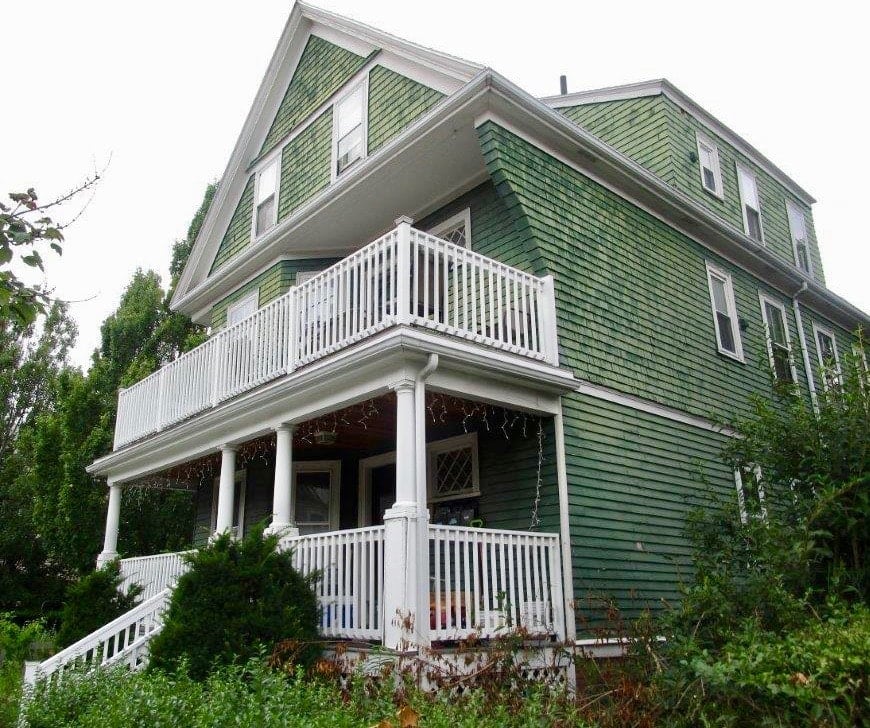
[(405, 277)]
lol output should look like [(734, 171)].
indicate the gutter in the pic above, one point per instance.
[(803, 342)]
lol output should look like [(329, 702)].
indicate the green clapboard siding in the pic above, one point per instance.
[(844, 341), (632, 478), (305, 165), (659, 135), (322, 69), (394, 102), (238, 233), (633, 304), (271, 283)]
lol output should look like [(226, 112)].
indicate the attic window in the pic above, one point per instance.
[(708, 161), (797, 223), (349, 130), (750, 203), (266, 210)]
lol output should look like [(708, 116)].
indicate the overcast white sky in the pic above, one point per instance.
[(164, 87)]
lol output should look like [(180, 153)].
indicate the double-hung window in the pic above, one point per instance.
[(266, 195), (797, 223), (750, 203), (750, 493), (778, 343), (724, 312), (829, 359), (349, 130), (708, 161)]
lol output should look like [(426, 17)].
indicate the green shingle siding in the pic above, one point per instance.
[(394, 102), (238, 233), (270, 283), (659, 135), (305, 165), (632, 300), (322, 69)]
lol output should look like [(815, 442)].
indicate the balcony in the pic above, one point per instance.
[(404, 278)]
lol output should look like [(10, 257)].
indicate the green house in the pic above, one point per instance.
[(469, 348)]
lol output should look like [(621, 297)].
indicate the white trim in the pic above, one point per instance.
[(449, 444), (251, 300), (653, 408), (765, 299), (463, 217), (664, 87), (821, 329), (741, 495), (241, 479), (333, 467), (364, 484), (564, 525), (791, 208), (742, 169), (725, 277), (348, 90), (703, 140)]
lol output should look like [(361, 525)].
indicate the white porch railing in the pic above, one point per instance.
[(122, 641), (488, 581), (405, 277), (153, 573), (350, 585)]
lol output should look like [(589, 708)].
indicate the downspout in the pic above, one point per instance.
[(803, 342), (422, 625)]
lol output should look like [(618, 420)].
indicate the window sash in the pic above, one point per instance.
[(349, 129), (265, 213), (724, 313), (708, 158), (797, 223), (751, 204)]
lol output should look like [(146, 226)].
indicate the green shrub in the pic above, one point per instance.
[(237, 596), (18, 643), (94, 601)]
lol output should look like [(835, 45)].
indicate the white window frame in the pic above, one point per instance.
[(741, 497), (240, 478), (273, 158), (704, 141), (749, 173), (838, 373), (792, 209), (333, 467), (462, 217), (363, 88), (715, 271), (764, 299), (460, 442), (249, 300)]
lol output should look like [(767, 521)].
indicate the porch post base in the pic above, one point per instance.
[(105, 557), (284, 530), (404, 617)]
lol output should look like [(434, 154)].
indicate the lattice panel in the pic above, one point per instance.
[(454, 473), (455, 235)]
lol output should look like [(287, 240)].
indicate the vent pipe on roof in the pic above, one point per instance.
[(563, 85)]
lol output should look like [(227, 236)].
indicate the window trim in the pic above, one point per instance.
[(703, 140), (765, 299), (274, 157), (363, 86), (748, 172), (464, 217), (730, 301), (333, 467), (790, 207), (817, 329), (741, 495), (246, 299)]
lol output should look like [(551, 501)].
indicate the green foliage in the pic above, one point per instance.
[(252, 695), (237, 596), (94, 601), (18, 643)]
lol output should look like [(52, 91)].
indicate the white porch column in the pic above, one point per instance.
[(405, 618), (226, 490), (113, 517), (283, 496)]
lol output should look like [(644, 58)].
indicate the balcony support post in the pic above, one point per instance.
[(548, 321), (405, 619), (226, 490), (284, 496), (113, 519), (403, 273)]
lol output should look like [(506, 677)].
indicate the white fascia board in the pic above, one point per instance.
[(666, 88), (557, 135), (357, 373)]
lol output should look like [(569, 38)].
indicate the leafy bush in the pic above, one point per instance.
[(236, 596), (18, 643), (94, 601)]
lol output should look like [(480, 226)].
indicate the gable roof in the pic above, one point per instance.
[(661, 86), (443, 71)]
